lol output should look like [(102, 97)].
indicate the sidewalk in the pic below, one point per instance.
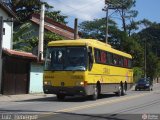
[(21, 97)]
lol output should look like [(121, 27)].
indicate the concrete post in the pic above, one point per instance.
[(41, 34), (1, 40)]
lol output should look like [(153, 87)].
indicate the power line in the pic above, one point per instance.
[(81, 8), (66, 5)]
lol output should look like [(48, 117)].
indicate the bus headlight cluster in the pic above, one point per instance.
[(47, 82), (84, 83), (81, 83)]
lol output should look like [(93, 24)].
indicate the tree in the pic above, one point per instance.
[(151, 35), (96, 29), (25, 8), (152, 65), (123, 7)]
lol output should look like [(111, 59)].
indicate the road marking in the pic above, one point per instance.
[(96, 104)]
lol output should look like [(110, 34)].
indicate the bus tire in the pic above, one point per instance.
[(60, 96), (99, 89), (119, 92), (136, 89), (95, 94), (124, 88)]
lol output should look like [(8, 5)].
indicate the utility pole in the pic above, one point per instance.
[(1, 35), (75, 28), (145, 59), (106, 8), (41, 34), (1, 39), (109, 5)]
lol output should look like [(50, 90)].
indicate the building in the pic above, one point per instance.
[(7, 31), (16, 71), (8, 15)]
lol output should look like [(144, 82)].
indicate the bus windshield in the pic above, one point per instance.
[(66, 58)]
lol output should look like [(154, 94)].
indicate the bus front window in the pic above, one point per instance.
[(55, 58), (76, 58), (66, 58)]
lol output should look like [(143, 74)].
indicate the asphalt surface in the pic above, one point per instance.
[(133, 106)]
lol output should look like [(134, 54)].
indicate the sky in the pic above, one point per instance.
[(92, 9)]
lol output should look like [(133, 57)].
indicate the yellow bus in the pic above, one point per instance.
[(86, 67)]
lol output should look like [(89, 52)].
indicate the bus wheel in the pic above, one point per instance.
[(99, 89), (60, 96), (119, 92), (95, 94), (124, 88)]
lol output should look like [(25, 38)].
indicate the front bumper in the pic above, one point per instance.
[(142, 87), (70, 91)]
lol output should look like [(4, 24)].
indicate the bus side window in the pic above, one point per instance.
[(115, 61), (125, 62), (97, 55), (129, 63), (103, 57), (109, 58), (121, 62)]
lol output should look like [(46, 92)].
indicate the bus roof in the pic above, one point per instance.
[(89, 42)]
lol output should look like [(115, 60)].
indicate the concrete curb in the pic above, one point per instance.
[(21, 97)]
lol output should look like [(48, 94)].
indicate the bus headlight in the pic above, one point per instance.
[(81, 83), (47, 82), (84, 83)]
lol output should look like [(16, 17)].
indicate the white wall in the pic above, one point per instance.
[(7, 38), (0, 74), (36, 78)]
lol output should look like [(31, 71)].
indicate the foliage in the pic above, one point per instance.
[(124, 8), (97, 29), (93, 29), (152, 65), (26, 37), (137, 73), (25, 8), (152, 38)]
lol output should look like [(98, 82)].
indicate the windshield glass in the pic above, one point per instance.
[(66, 58), (143, 80)]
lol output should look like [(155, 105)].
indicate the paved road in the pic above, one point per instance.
[(133, 106)]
